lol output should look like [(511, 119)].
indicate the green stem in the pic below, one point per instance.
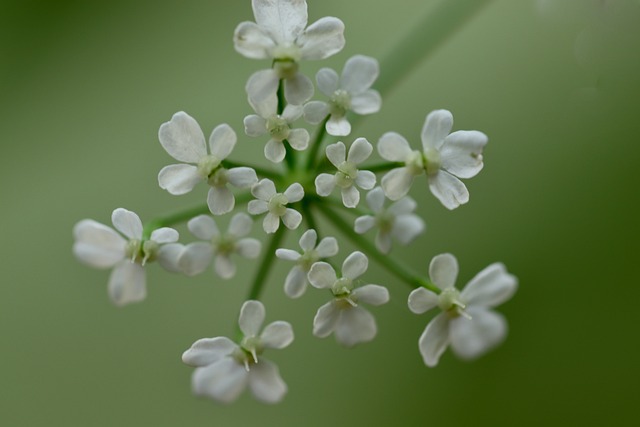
[(382, 167), (290, 155), (393, 266), (317, 143), (265, 173), (261, 275)]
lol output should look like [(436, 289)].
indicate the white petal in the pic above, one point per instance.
[(443, 270), (265, 382), (461, 153), (291, 219), (322, 39), (338, 126), (252, 41), (169, 257), (407, 227), (298, 89), (285, 19), (366, 180), (355, 265), (127, 283), (222, 141), (251, 318), (182, 138), (356, 325), (264, 189), (298, 139), (422, 300), (448, 189), (336, 153), (292, 113), (308, 240), (242, 177), (393, 147), (359, 151), (178, 179), (220, 200), (325, 183), (436, 127), (257, 207), (223, 380), (195, 258), (240, 225), (164, 235), (206, 351), (406, 205), (364, 224), (367, 102), (274, 151), (287, 254), (277, 335), (350, 197), (97, 245), (372, 294), (359, 73), (248, 248), (328, 247), (396, 183), (325, 319), (203, 227), (315, 111), (383, 241), (295, 283), (375, 199), (270, 223), (327, 81), (473, 337), (262, 87), (434, 340), (127, 222), (322, 275), (255, 125), (294, 193), (491, 287), (224, 266)]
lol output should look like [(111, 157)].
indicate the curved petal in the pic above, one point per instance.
[(434, 340), (277, 335), (298, 89), (178, 179), (366, 180), (97, 245), (240, 225), (295, 283), (222, 140), (298, 139), (223, 380), (224, 266), (375, 199), (261, 88), (251, 318), (323, 38), (355, 265), (255, 125), (322, 275), (203, 227), (393, 147), (422, 300), (436, 127), (473, 337), (443, 270), (338, 126), (169, 257), (287, 255), (336, 153), (285, 19), (325, 183), (367, 102), (491, 287), (291, 219), (274, 151), (326, 319), (327, 247), (264, 189), (220, 200), (327, 80), (265, 382), (406, 205), (164, 235), (350, 197), (406, 228), (372, 294), (206, 351), (356, 325), (359, 151), (127, 283), (448, 189), (270, 223), (315, 111), (182, 138), (195, 258), (396, 183), (127, 222), (359, 73), (308, 240), (248, 248), (294, 193), (461, 153), (253, 41), (292, 113), (364, 224), (242, 177), (383, 241)]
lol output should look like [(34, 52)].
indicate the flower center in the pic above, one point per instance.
[(346, 175), (307, 259), (278, 128), (340, 103), (207, 165), (218, 178), (449, 301), (288, 52), (278, 204), (342, 287), (415, 163), (384, 222), (224, 245), (432, 161), (286, 67), (141, 251)]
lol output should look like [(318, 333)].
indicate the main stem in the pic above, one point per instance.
[(289, 156), (267, 261)]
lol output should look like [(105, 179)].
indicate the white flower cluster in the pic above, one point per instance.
[(301, 187)]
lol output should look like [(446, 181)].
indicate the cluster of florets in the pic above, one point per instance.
[(298, 184)]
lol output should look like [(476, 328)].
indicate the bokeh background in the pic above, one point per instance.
[(84, 87)]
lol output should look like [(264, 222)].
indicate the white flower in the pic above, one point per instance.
[(280, 33), (348, 174), (350, 92), (100, 246), (224, 368), (344, 315), (395, 222), (295, 283), (197, 256), (444, 157), (466, 321), (183, 139), (275, 204), (268, 121)]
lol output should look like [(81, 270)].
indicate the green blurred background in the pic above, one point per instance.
[(84, 87)]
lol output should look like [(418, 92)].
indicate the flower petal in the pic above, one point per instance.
[(292, 113), (277, 335), (383, 241), (164, 235), (169, 257), (298, 89), (203, 227), (97, 245), (325, 183), (356, 325), (178, 179), (350, 197), (443, 270), (355, 265), (407, 227), (364, 224), (308, 240), (366, 180), (434, 340), (375, 199), (265, 382), (287, 254), (461, 153), (336, 153), (264, 189), (127, 283), (406, 205), (422, 300), (182, 138), (338, 126), (285, 19), (251, 318), (270, 223), (323, 38), (127, 222), (359, 73), (315, 111), (195, 258), (253, 41), (222, 141), (372, 294), (393, 147), (262, 87), (274, 151), (448, 189), (294, 193), (224, 266), (295, 283), (367, 102), (490, 287), (242, 177), (436, 127), (220, 200), (327, 247), (298, 139), (255, 125), (359, 151), (326, 319), (322, 275), (257, 207), (206, 351), (291, 219), (473, 337), (327, 80), (248, 248), (223, 380), (240, 225), (396, 183)]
